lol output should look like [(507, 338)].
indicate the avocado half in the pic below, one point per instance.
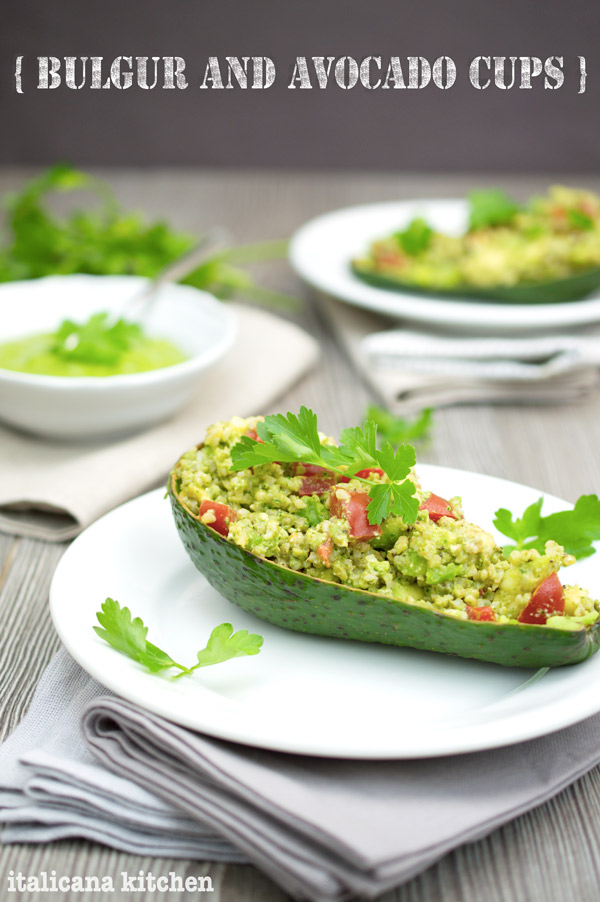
[(573, 288), (296, 601)]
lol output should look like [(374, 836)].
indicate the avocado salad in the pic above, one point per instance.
[(317, 523), (551, 238)]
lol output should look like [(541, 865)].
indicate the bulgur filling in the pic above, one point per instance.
[(445, 563)]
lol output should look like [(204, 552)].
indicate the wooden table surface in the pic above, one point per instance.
[(548, 855)]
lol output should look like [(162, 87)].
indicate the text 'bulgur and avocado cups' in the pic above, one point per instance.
[(296, 544)]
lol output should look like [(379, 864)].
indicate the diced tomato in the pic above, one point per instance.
[(354, 509), (317, 479), (224, 515), (363, 474), (388, 257), (483, 613), (252, 433), (548, 599), (314, 486), (324, 551), (437, 508)]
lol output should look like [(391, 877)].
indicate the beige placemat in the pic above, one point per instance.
[(51, 490)]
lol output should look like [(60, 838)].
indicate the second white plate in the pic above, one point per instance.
[(322, 249)]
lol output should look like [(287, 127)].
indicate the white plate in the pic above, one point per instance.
[(306, 694), (321, 252)]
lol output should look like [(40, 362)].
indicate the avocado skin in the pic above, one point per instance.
[(296, 601), (557, 291)]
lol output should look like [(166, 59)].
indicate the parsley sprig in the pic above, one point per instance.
[(98, 236), (127, 634), (98, 340), (577, 219), (290, 438), (401, 429), (415, 238), (574, 529), (490, 207)]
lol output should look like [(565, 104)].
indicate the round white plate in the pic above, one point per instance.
[(302, 693), (321, 252)]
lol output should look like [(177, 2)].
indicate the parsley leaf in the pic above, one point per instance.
[(521, 528), (359, 446), (490, 208), (397, 464), (398, 429), (416, 238), (128, 635), (224, 644), (580, 220), (290, 438), (96, 341), (574, 529)]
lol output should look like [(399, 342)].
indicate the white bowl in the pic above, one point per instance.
[(106, 406)]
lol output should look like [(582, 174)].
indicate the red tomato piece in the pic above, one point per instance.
[(224, 515), (483, 613), (548, 599), (354, 509), (324, 551), (314, 486), (389, 257), (437, 508), (363, 474)]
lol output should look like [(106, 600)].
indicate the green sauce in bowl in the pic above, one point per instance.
[(97, 347)]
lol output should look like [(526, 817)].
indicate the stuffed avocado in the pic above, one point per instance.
[(547, 250), (294, 543)]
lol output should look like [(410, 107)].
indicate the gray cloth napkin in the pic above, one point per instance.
[(52, 787), (412, 369), (52, 490), (324, 829)]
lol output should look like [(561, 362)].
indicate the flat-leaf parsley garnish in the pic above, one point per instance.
[(574, 529), (400, 429), (291, 438), (416, 238), (98, 340), (490, 207), (127, 634)]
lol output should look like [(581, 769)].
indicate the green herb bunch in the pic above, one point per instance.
[(105, 240)]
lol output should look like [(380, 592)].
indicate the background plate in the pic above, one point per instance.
[(321, 252), (306, 694)]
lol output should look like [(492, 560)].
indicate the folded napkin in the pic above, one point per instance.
[(52, 490), (413, 369), (324, 829), (52, 787)]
